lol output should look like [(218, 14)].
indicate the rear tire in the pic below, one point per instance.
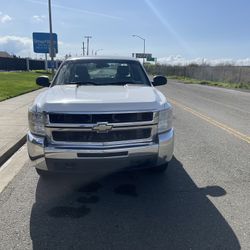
[(160, 169)]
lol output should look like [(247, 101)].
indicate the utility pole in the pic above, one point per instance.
[(88, 37), (52, 51), (83, 49)]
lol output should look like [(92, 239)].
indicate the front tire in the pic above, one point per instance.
[(160, 169), (43, 173)]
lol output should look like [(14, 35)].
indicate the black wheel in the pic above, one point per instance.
[(160, 169), (43, 173)]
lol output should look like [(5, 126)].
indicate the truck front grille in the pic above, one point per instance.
[(111, 136), (95, 118)]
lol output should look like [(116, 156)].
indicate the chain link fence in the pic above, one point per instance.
[(16, 64), (230, 74)]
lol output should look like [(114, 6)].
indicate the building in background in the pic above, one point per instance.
[(5, 54)]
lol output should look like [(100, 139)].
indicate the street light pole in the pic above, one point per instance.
[(97, 51), (144, 45), (88, 37), (51, 39)]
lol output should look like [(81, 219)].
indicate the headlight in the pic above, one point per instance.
[(36, 122), (165, 120)]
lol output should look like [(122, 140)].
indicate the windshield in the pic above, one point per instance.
[(101, 72)]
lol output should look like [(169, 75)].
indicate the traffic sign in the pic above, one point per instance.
[(150, 59), (41, 42), (143, 55)]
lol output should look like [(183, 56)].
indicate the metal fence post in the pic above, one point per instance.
[(46, 62), (27, 64)]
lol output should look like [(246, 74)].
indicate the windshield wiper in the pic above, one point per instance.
[(81, 83), (123, 83)]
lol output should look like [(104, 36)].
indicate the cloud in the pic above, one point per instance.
[(38, 19), (180, 60), (4, 18), (16, 45), (23, 46)]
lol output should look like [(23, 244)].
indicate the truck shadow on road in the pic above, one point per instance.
[(138, 210)]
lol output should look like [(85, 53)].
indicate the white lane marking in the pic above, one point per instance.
[(226, 105), (213, 101)]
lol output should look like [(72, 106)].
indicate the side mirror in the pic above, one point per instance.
[(43, 81), (159, 80)]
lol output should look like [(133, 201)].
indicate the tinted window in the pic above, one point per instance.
[(101, 72)]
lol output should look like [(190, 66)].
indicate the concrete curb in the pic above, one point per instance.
[(33, 90), (12, 150)]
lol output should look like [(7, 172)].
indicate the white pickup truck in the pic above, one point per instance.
[(100, 114)]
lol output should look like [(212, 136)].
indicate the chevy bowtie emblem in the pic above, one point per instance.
[(102, 127)]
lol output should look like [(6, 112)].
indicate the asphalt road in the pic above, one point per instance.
[(201, 202)]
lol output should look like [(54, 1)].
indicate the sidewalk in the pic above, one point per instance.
[(14, 123)]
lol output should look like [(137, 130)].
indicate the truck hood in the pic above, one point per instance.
[(70, 98)]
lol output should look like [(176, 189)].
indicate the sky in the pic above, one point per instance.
[(176, 31)]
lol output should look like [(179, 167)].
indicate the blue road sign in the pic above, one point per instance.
[(41, 42)]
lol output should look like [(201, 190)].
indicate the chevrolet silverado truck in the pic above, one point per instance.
[(100, 114)]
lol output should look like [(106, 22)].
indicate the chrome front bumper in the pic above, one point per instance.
[(70, 158)]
